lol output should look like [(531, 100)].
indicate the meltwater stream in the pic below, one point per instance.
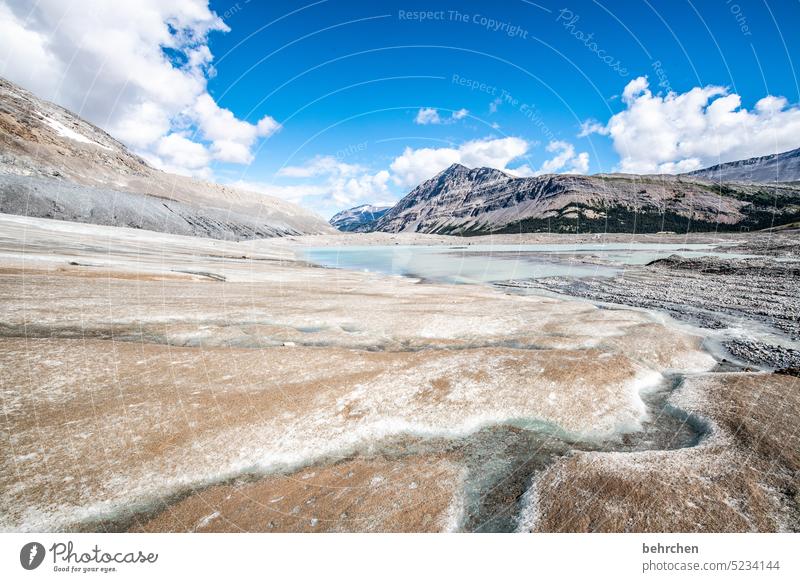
[(501, 460)]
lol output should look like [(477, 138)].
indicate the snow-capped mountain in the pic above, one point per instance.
[(358, 219), (53, 164), (460, 200), (783, 167)]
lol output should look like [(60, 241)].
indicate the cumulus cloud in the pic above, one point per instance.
[(591, 126), (565, 161), (182, 155), (295, 193), (427, 115), (430, 116), (337, 182), (141, 74), (417, 165), (231, 138), (367, 187), (320, 166), (680, 132)]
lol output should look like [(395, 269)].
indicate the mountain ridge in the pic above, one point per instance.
[(465, 201), (54, 164), (359, 218), (780, 167)]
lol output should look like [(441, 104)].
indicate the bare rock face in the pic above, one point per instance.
[(54, 164), (467, 201), (782, 167)]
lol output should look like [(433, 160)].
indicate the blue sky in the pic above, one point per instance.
[(360, 100), (350, 77)]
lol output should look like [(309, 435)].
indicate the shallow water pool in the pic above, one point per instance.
[(491, 263)]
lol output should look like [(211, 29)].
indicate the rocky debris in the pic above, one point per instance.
[(478, 201), (782, 243), (761, 267), (784, 360), (704, 289), (711, 292), (53, 164)]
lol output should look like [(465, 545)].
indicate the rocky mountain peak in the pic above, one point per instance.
[(359, 218)]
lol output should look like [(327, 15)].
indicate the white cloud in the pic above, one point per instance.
[(634, 87), (141, 74), (427, 115), (294, 193), (232, 138), (266, 126), (337, 183), (320, 166), (565, 158), (367, 187), (331, 196), (566, 161), (680, 132), (494, 153), (175, 150), (523, 171), (30, 56), (591, 126), (430, 116), (580, 164), (415, 166)]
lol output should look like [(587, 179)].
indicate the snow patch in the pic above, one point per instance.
[(65, 131)]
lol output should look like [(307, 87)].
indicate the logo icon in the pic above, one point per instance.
[(31, 555)]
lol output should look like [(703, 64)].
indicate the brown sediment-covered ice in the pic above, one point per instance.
[(166, 383), (744, 475), (413, 493)]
